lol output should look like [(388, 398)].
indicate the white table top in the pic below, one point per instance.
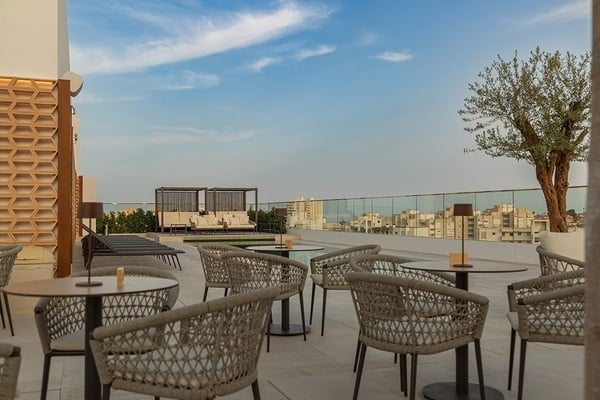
[(66, 286), (276, 248), (444, 266)]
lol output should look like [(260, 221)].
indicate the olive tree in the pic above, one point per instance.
[(537, 110)]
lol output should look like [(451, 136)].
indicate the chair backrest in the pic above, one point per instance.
[(212, 264), (553, 263), (56, 317), (386, 264), (8, 255), (10, 362), (206, 350), (412, 314), (250, 271), (317, 263)]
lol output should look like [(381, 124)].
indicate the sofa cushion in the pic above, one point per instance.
[(568, 244)]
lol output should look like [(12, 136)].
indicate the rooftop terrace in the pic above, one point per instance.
[(321, 367)]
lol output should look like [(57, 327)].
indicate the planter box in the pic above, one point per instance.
[(33, 263)]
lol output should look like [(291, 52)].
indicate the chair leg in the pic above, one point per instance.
[(479, 369), (357, 354), (2, 315), (323, 315), (413, 375), (522, 368), (12, 331), (403, 380), (255, 390), (269, 331), (511, 357), (45, 376), (205, 293), (226, 290), (361, 363), (106, 392), (312, 302), (302, 315)]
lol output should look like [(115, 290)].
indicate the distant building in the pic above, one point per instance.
[(305, 213)]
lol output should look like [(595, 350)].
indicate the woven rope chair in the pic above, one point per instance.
[(327, 271), (206, 350), (60, 321), (553, 263), (390, 265), (548, 309), (250, 271), (215, 274), (8, 255), (10, 362), (408, 316)]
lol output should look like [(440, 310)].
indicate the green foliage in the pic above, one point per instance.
[(536, 110), (268, 221), (139, 221)]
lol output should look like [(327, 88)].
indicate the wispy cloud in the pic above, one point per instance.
[(571, 11), (188, 135), (318, 51), (199, 38), (366, 39), (394, 56), (172, 136), (191, 80), (89, 98), (258, 65)]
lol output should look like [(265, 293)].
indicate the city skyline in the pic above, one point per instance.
[(323, 99)]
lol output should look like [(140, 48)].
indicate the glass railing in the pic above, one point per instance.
[(503, 216), (516, 216)]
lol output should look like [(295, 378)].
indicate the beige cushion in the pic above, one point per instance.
[(571, 244)]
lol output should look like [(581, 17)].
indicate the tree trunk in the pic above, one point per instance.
[(553, 195), (592, 224)]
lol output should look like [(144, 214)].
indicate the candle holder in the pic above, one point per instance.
[(463, 210)]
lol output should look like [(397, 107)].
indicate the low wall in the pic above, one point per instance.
[(518, 253)]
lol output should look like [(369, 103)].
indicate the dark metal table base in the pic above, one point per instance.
[(295, 329), (447, 391)]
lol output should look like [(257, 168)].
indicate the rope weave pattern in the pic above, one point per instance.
[(57, 317), (250, 271), (332, 266), (552, 263), (215, 273), (10, 363), (410, 316), (8, 255), (198, 351)]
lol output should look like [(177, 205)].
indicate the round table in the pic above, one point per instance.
[(285, 328), (65, 287), (461, 389)]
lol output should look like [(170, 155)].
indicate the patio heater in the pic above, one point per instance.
[(281, 213), (89, 210), (463, 210)]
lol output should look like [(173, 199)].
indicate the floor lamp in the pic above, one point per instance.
[(89, 210), (281, 213), (463, 210)]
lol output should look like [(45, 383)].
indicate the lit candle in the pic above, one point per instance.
[(120, 277)]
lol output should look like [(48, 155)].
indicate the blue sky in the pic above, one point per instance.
[(327, 99)]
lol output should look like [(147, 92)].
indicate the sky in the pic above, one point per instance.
[(323, 99)]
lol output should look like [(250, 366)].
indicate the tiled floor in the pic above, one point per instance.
[(321, 367)]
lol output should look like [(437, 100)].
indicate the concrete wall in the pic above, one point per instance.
[(506, 252), (34, 38)]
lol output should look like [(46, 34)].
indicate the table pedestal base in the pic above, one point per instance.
[(447, 391), (294, 329)]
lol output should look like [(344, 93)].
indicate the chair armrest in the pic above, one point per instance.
[(553, 315), (541, 284)]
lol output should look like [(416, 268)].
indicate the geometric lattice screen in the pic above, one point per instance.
[(29, 162)]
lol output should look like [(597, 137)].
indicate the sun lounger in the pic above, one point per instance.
[(127, 245)]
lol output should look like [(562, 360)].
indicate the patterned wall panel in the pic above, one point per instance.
[(28, 162)]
